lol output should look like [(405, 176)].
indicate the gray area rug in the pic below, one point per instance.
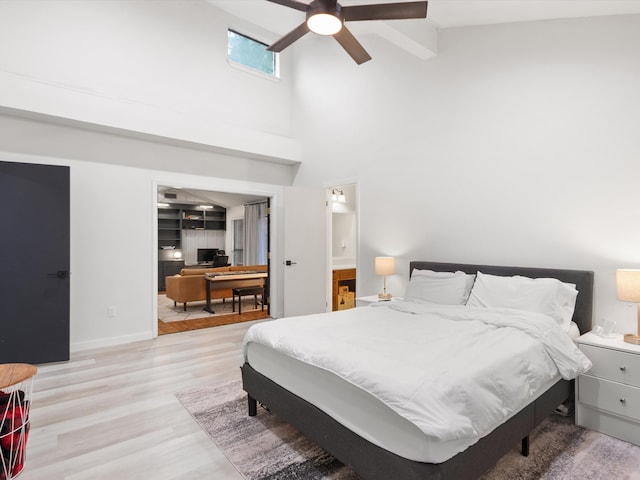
[(265, 448)]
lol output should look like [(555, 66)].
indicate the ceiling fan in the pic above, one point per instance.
[(327, 17)]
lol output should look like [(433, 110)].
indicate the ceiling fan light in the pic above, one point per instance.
[(324, 23)]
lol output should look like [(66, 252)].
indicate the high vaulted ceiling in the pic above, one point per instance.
[(419, 36), (443, 13)]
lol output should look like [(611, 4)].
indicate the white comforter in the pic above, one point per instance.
[(455, 372)]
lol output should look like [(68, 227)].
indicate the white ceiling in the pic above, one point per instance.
[(459, 13), (442, 13), (204, 197)]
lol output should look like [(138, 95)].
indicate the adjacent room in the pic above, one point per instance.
[(144, 142), (207, 234)]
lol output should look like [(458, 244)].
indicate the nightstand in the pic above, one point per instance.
[(364, 301), (608, 395)]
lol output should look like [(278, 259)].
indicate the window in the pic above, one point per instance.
[(251, 53), (238, 241)]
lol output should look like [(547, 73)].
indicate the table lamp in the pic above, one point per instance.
[(385, 266), (628, 287)]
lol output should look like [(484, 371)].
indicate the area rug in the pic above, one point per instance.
[(265, 448), (167, 312)]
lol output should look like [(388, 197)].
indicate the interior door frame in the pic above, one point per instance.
[(356, 189), (272, 193), (275, 194)]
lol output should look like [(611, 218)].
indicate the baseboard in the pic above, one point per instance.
[(110, 341)]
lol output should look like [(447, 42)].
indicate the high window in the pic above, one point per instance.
[(246, 51)]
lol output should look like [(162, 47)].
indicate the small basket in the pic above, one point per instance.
[(16, 386)]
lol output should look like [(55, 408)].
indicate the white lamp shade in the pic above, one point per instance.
[(628, 284), (385, 265)]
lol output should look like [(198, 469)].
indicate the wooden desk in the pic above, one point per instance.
[(232, 280)]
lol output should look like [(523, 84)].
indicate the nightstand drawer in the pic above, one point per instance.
[(610, 396), (613, 365)]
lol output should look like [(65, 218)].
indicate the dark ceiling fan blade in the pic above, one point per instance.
[(289, 38), (352, 46), (291, 4), (385, 11)]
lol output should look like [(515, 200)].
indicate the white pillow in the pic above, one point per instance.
[(470, 278), (566, 304), (442, 289), (543, 295), (433, 273)]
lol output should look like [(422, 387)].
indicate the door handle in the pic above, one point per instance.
[(61, 274), (288, 263)]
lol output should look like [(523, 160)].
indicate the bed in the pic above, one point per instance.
[(368, 458)]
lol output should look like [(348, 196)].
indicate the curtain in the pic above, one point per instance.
[(255, 234)]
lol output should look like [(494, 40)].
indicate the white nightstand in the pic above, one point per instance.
[(608, 395), (364, 301)]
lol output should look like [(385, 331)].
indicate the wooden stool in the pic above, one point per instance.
[(255, 291), (16, 384)]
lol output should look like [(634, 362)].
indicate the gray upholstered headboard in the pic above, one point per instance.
[(583, 280)]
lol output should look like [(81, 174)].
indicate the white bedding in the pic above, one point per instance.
[(453, 372), (351, 406)]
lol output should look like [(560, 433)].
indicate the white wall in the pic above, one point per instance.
[(132, 95), (516, 145), (344, 227), (114, 218), (344, 239), (155, 67), (192, 240)]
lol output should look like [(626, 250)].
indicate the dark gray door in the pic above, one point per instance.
[(34, 269)]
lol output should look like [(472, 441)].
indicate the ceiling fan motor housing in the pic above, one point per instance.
[(332, 7), (325, 7)]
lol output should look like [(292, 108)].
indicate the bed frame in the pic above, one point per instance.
[(374, 463)]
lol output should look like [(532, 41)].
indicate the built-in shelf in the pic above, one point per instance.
[(177, 217)]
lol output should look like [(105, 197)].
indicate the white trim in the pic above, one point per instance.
[(110, 341), (257, 73), (274, 193), (154, 260)]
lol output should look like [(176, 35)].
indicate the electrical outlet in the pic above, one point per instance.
[(112, 311)]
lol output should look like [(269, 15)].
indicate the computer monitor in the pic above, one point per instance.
[(207, 254)]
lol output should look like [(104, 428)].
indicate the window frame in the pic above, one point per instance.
[(249, 69)]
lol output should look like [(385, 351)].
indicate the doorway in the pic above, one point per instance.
[(200, 232), (343, 245)]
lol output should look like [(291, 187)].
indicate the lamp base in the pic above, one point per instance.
[(384, 296), (632, 338)]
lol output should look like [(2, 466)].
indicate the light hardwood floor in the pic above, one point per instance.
[(111, 413)]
